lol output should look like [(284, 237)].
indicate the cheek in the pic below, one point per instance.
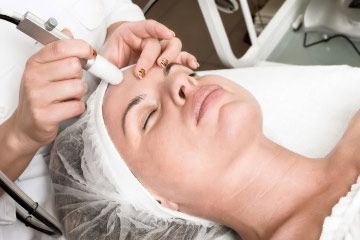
[(239, 124), (170, 163)]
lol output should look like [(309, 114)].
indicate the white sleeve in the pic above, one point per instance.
[(124, 10), (7, 210)]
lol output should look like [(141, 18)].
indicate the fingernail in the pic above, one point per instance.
[(173, 33), (141, 73), (94, 53), (195, 64), (164, 62)]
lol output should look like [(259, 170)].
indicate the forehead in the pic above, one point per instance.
[(131, 86), (130, 82)]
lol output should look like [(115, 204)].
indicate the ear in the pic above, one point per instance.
[(164, 202), (168, 204)]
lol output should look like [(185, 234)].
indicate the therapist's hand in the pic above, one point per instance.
[(51, 91), (138, 42)]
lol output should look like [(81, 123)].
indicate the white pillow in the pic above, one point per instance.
[(305, 108)]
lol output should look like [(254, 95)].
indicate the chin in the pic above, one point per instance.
[(239, 123)]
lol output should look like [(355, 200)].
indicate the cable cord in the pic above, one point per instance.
[(148, 6), (9, 19), (306, 44), (36, 214), (29, 221)]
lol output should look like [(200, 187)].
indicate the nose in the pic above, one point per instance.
[(179, 87)]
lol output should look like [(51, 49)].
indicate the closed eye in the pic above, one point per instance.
[(148, 118), (193, 74)]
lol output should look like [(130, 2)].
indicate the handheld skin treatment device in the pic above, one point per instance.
[(46, 32)]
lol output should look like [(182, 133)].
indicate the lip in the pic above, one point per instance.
[(203, 98)]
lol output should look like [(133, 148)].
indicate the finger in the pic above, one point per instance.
[(73, 89), (150, 51), (187, 59), (133, 33), (149, 29), (67, 32), (170, 50), (63, 69), (61, 111), (60, 91), (63, 49)]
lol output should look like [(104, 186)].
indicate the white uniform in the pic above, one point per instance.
[(88, 20)]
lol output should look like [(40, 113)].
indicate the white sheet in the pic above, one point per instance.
[(305, 109)]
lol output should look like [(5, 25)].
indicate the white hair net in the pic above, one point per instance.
[(97, 196)]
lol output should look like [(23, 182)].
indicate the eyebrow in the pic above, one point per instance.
[(169, 66), (135, 101)]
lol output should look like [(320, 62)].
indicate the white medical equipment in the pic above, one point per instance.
[(277, 42), (46, 32), (333, 17)]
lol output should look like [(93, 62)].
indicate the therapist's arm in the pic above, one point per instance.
[(50, 92), (14, 155)]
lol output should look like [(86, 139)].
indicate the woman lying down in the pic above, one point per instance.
[(177, 156)]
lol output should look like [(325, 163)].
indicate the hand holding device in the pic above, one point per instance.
[(51, 90), (46, 32)]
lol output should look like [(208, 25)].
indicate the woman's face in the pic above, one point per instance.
[(178, 133)]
